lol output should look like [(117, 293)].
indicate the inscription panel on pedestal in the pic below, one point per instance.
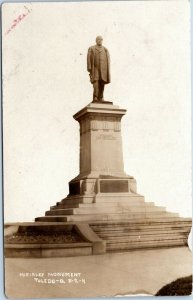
[(114, 186), (100, 123), (105, 137)]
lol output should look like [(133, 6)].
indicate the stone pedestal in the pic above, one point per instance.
[(100, 140), (101, 154)]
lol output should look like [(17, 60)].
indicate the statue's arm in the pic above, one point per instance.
[(89, 66), (108, 55)]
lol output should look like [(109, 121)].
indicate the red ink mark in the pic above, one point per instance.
[(18, 20)]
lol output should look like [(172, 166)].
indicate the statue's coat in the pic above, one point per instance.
[(98, 70)]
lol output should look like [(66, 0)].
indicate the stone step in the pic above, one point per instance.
[(96, 210), (59, 206), (52, 219), (141, 232), (107, 217), (90, 212), (141, 227), (118, 198), (101, 198), (108, 207), (180, 221), (145, 245), (142, 237), (102, 204), (104, 197)]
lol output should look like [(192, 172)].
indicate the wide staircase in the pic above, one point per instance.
[(143, 234), (124, 223)]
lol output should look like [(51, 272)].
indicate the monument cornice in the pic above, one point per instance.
[(100, 109)]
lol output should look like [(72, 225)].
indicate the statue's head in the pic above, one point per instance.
[(99, 40)]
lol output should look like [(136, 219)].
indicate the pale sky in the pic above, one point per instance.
[(45, 82)]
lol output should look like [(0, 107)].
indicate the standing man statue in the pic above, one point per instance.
[(98, 66)]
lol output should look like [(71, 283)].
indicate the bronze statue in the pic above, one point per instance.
[(98, 66)]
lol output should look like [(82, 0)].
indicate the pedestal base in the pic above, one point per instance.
[(120, 216)]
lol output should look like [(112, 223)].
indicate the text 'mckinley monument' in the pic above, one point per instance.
[(103, 211)]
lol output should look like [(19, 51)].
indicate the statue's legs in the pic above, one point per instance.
[(98, 87), (101, 90), (96, 90)]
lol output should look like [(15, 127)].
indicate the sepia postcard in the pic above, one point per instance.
[(96, 110)]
